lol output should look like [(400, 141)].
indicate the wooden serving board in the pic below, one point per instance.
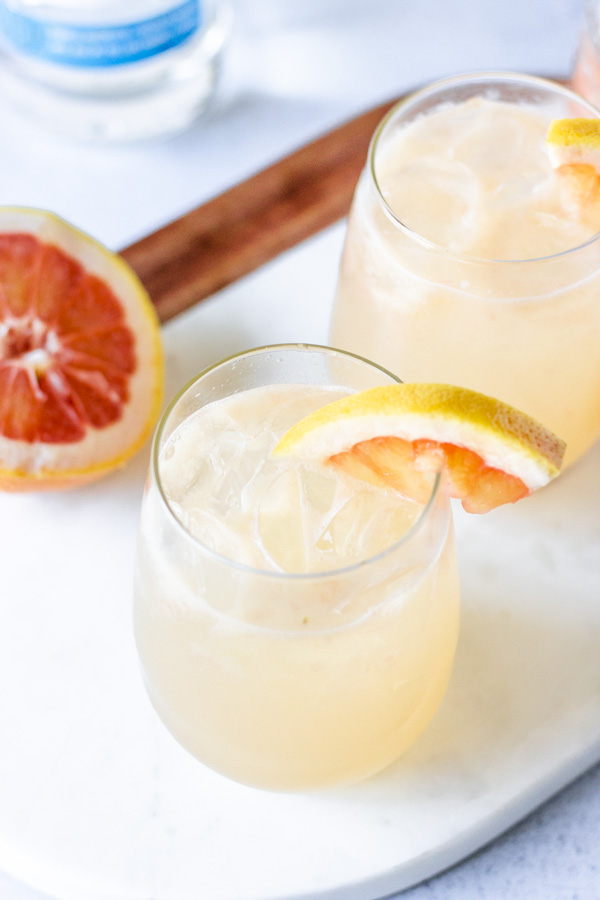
[(233, 234)]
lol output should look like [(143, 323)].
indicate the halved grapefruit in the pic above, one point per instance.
[(401, 436), (81, 368)]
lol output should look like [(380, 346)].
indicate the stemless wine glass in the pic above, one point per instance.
[(526, 330), (586, 72), (284, 680)]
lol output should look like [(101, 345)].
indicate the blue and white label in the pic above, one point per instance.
[(99, 45)]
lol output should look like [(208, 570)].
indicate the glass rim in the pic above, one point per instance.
[(473, 77), (274, 574)]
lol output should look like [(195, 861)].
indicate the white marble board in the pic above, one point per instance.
[(98, 802)]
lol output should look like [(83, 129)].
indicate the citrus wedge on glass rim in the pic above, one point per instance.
[(401, 436), (573, 147), (81, 367)]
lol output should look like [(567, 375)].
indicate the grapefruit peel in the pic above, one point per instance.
[(401, 436), (81, 361)]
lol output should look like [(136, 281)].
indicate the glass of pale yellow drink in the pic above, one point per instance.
[(296, 627), (586, 72), (466, 263)]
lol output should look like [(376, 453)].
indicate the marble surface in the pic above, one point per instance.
[(107, 806), (294, 70)]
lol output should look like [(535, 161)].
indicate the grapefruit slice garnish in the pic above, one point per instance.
[(573, 147), (403, 435), (81, 368)]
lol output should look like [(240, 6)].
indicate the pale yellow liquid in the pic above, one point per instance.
[(278, 681), (474, 179)]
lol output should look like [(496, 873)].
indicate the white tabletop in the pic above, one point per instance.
[(295, 69)]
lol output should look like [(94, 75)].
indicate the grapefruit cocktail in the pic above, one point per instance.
[(296, 600), (586, 71), (295, 631), (465, 259)]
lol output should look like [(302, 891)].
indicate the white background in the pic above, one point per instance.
[(296, 68)]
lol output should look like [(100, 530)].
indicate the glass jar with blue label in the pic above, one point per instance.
[(112, 70)]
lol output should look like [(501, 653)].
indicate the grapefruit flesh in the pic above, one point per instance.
[(80, 355), (402, 436)]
